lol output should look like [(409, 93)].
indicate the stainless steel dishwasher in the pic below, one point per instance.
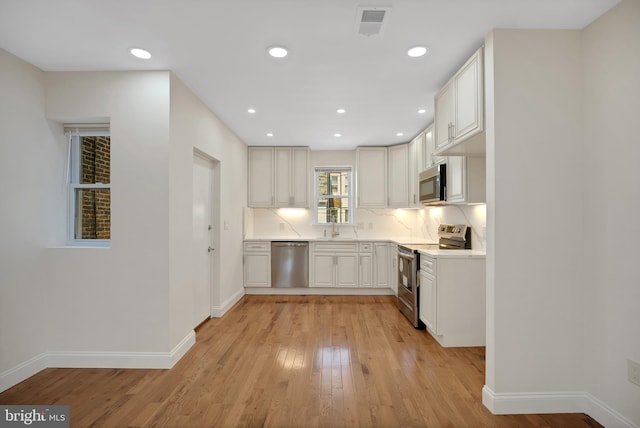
[(289, 264)]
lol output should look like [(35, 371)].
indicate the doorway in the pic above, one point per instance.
[(206, 185)]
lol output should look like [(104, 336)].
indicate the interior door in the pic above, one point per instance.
[(203, 234)]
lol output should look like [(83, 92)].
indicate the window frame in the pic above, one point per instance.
[(348, 196), (73, 182)]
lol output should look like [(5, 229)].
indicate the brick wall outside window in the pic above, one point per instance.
[(95, 167)]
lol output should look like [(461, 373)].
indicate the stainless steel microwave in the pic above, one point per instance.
[(433, 185)]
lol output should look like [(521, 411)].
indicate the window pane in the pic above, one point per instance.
[(333, 183), (93, 214), (95, 160), (333, 210)]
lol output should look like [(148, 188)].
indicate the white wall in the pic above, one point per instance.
[(534, 192), (193, 126), (611, 65), (116, 299), (29, 156)]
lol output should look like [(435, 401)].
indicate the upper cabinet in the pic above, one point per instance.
[(260, 191), (278, 177), (430, 158), (459, 111), (416, 164), (292, 177), (371, 177), (466, 180), (399, 176)]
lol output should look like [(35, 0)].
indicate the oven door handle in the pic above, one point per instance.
[(410, 257)]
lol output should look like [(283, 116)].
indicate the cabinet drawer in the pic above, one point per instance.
[(366, 247), (427, 264), (257, 246), (336, 247)]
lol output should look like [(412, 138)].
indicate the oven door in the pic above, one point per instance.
[(408, 286)]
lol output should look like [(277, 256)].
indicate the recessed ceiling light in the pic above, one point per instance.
[(337, 135), (341, 111), (251, 110), (269, 134), (140, 53), (417, 51), (278, 51), (400, 134), (422, 111)]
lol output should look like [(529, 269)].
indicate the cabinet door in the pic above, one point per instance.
[(444, 116), (430, 159), (260, 177), (347, 270), (283, 177), (257, 270), (416, 164), (456, 178), (366, 270), (398, 176), (323, 272), (428, 302), (382, 264), (300, 177), (469, 96), (371, 177)]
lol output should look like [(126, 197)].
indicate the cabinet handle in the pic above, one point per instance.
[(453, 131), (448, 132)]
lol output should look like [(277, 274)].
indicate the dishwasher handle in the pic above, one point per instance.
[(288, 244)]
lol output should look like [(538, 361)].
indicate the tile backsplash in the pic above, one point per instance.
[(403, 225)]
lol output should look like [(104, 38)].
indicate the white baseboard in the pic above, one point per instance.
[(219, 311), (120, 360), (554, 402), (22, 371), (320, 291)]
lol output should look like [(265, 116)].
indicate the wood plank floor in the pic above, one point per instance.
[(291, 361)]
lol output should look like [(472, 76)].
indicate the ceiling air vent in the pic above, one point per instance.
[(371, 20)]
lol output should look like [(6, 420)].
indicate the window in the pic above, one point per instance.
[(89, 184), (333, 195)]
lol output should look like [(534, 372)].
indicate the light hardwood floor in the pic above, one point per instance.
[(291, 361)]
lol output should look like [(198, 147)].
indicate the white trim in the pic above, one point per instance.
[(219, 311), (22, 371), (553, 402), (122, 360), (320, 291)]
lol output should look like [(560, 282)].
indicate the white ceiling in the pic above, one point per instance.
[(218, 49)]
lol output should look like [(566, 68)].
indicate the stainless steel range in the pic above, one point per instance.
[(451, 237)]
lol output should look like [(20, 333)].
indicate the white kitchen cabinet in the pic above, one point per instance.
[(459, 111), (291, 177), (430, 158), (398, 176), (371, 177), (427, 294), (417, 150), (334, 264), (453, 299), (257, 264), (382, 264), (260, 177), (466, 180), (365, 258), (393, 274), (347, 270)]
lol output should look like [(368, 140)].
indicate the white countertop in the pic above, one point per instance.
[(481, 254)]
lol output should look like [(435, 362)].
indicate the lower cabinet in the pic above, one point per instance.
[(365, 259), (382, 265), (452, 299), (334, 264), (257, 264)]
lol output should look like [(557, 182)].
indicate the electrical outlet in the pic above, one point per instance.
[(281, 227), (360, 225), (633, 372), (370, 226)]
